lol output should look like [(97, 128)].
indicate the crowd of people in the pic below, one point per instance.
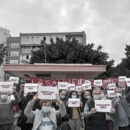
[(20, 112)]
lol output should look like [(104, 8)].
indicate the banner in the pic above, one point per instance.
[(111, 93), (6, 87), (63, 85), (87, 86), (112, 86), (74, 102), (103, 105), (71, 87), (46, 92), (98, 83), (14, 80), (30, 87), (128, 82)]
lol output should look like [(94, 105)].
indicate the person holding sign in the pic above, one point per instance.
[(6, 110), (74, 110), (44, 119), (122, 115), (95, 120)]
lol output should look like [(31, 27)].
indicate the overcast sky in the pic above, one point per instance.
[(106, 22)]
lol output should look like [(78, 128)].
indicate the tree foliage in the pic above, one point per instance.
[(72, 52)]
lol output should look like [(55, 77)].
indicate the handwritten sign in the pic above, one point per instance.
[(71, 87), (111, 93), (63, 85), (112, 86), (46, 92), (30, 87), (87, 86), (103, 105), (14, 80), (128, 82), (74, 102), (98, 83), (87, 82), (79, 88), (121, 78), (6, 87)]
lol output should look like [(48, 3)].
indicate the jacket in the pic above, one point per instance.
[(37, 115)]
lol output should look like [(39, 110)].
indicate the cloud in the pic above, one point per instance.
[(106, 22)]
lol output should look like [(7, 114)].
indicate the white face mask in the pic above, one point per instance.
[(96, 97), (123, 89), (4, 97), (87, 97), (73, 96), (118, 95), (46, 109)]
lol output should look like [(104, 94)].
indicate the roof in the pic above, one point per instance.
[(54, 68), (54, 33)]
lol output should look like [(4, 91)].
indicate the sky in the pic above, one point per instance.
[(105, 22)]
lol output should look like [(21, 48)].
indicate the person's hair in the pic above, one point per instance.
[(42, 101), (70, 95)]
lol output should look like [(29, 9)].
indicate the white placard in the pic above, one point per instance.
[(98, 83), (71, 87), (63, 85), (74, 102), (14, 80), (79, 88), (87, 86), (121, 78), (128, 82), (112, 86), (6, 87), (46, 92), (30, 87), (111, 93), (103, 105), (87, 82)]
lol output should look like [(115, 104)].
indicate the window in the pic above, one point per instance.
[(13, 61), (14, 53), (14, 45)]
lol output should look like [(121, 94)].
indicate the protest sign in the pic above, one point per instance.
[(111, 93), (103, 105), (112, 86), (87, 82), (79, 88), (30, 87), (128, 82), (121, 78), (74, 102), (87, 86), (14, 80), (6, 87), (46, 92), (63, 85), (98, 83), (71, 87)]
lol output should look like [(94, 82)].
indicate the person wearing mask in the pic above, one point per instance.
[(95, 120), (86, 97), (74, 113), (6, 110), (45, 118), (122, 115)]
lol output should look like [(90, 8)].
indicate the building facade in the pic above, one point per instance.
[(32, 41)]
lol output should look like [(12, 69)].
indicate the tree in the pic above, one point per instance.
[(124, 67), (2, 50), (71, 51)]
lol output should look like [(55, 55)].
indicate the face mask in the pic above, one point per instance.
[(62, 97), (87, 97), (123, 89), (4, 97), (102, 96), (96, 97), (74, 96), (46, 109), (118, 95)]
